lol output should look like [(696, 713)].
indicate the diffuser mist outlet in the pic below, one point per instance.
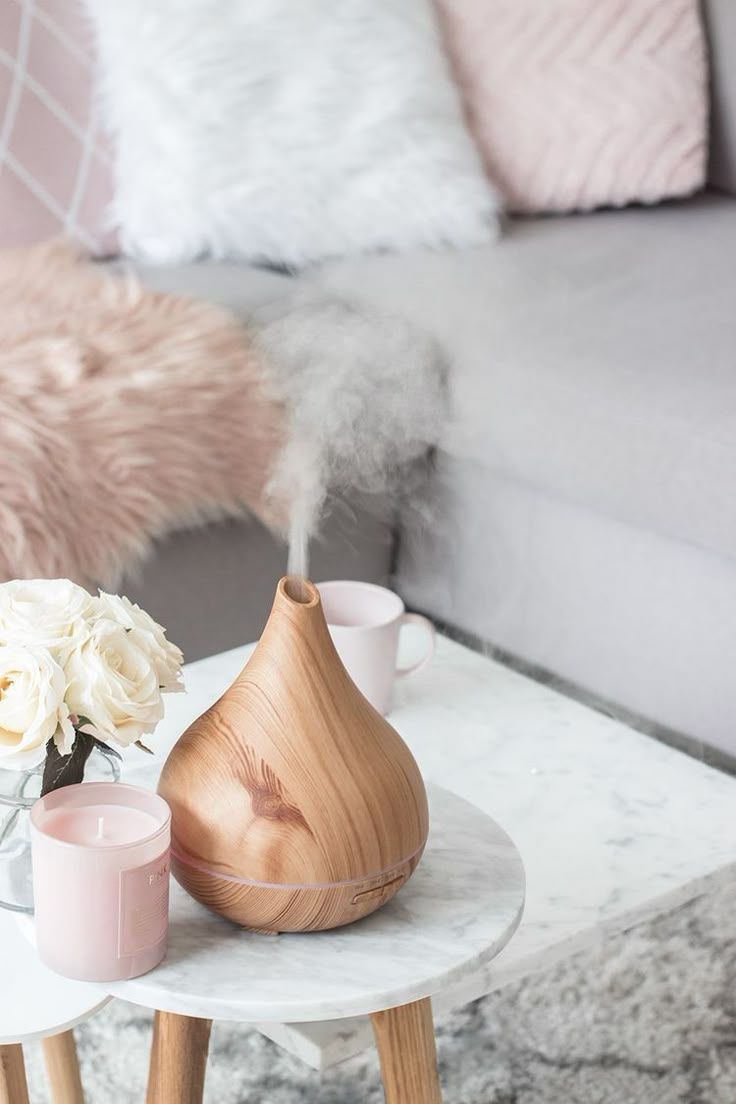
[(295, 805)]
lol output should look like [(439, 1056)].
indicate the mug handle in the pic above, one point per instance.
[(426, 624)]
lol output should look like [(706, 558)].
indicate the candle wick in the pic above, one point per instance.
[(100, 826)]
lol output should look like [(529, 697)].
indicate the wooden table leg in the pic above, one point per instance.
[(13, 1086), (405, 1041), (178, 1059), (62, 1067)]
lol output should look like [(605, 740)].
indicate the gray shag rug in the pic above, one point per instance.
[(646, 1017)]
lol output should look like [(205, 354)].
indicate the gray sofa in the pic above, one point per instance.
[(584, 499)]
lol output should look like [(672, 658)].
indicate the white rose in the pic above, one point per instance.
[(45, 613), (112, 682), (148, 634), (32, 707)]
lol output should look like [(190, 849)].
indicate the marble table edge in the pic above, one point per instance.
[(353, 1034), (411, 994), (235, 1009)]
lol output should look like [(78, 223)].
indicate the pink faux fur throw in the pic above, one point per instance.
[(125, 413)]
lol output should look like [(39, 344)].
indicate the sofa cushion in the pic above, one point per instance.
[(576, 105), (285, 131), (594, 357), (55, 166)]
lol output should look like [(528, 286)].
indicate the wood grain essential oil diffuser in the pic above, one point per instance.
[(295, 805)]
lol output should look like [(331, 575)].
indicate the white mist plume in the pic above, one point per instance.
[(366, 397)]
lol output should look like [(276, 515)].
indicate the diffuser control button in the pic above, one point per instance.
[(387, 888)]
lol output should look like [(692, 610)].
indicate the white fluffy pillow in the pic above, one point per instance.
[(286, 130)]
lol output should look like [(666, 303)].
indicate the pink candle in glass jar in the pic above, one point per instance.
[(101, 880)]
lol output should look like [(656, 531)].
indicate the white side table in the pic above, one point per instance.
[(37, 1004), (459, 910)]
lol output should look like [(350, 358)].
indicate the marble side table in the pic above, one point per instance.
[(614, 827), (37, 1004), (457, 913)]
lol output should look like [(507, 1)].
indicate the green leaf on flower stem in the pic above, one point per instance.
[(64, 770)]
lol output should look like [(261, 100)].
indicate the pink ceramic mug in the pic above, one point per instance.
[(365, 621)]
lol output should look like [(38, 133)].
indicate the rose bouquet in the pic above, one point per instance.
[(77, 671)]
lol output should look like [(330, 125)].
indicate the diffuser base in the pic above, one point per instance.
[(272, 908)]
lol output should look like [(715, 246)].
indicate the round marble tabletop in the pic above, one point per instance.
[(36, 1002), (459, 910)]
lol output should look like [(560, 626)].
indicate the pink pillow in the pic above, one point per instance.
[(55, 169), (583, 103)]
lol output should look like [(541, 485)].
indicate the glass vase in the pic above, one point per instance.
[(18, 791)]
